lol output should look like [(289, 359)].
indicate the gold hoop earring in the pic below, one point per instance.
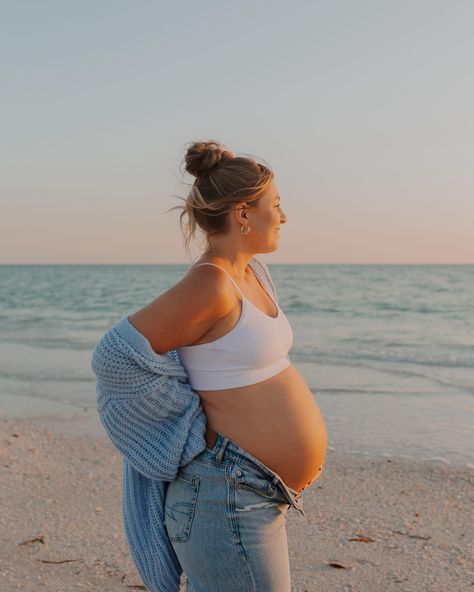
[(242, 230)]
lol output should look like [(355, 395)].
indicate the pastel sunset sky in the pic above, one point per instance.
[(363, 109)]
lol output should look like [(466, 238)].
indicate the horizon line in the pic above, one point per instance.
[(267, 263)]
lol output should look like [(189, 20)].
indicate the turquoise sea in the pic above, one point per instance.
[(387, 350)]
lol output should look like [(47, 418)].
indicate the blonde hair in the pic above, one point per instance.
[(222, 180)]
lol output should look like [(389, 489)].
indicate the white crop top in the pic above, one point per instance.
[(255, 349)]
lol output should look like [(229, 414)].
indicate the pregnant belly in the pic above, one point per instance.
[(277, 421)]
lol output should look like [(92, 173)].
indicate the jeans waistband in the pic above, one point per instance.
[(225, 449)]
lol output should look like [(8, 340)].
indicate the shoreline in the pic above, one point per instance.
[(62, 523), (411, 427)]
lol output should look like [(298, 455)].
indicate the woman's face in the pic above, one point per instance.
[(265, 220)]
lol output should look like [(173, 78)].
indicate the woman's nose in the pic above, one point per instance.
[(283, 217)]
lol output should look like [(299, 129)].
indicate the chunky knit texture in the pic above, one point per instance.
[(155, 419)]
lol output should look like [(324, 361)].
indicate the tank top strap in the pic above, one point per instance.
[(226, 272)]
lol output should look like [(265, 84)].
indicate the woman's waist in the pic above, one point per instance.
[(281, 441), (298, 461)]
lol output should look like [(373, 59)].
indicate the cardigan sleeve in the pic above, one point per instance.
[(155, 421), (155, 443)]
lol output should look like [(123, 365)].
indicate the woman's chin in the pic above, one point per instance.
[(273, 247)]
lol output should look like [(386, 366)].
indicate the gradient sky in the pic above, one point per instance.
[(363, 109)]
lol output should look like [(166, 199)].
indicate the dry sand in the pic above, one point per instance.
[(61, 522)]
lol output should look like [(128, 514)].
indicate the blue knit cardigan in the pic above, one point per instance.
[(155, 419)]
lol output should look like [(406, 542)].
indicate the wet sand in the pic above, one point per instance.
[(373, 524)]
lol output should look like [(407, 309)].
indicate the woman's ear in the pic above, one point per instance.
[(241, 212)]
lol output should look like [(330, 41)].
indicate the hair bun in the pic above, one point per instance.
[(201, 157)]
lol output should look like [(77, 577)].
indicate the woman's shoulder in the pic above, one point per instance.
[(208, 280), (186, 311)]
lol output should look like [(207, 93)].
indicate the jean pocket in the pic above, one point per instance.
[(251, 478), (180, 504), (254, 491)]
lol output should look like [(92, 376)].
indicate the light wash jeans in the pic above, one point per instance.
[(225, 514)]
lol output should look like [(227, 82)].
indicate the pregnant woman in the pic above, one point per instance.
[(265, 439)]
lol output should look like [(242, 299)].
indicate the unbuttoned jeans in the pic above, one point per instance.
[(225, 514)]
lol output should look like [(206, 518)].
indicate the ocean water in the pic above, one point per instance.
[(387, 350)]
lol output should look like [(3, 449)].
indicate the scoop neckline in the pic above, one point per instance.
[(261, 311)]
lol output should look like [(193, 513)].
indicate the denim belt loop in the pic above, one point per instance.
[(222, 447)]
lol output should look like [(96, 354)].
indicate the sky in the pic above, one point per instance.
[(363, 110)]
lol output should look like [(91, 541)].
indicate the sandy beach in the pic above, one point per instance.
[(374, 524)]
